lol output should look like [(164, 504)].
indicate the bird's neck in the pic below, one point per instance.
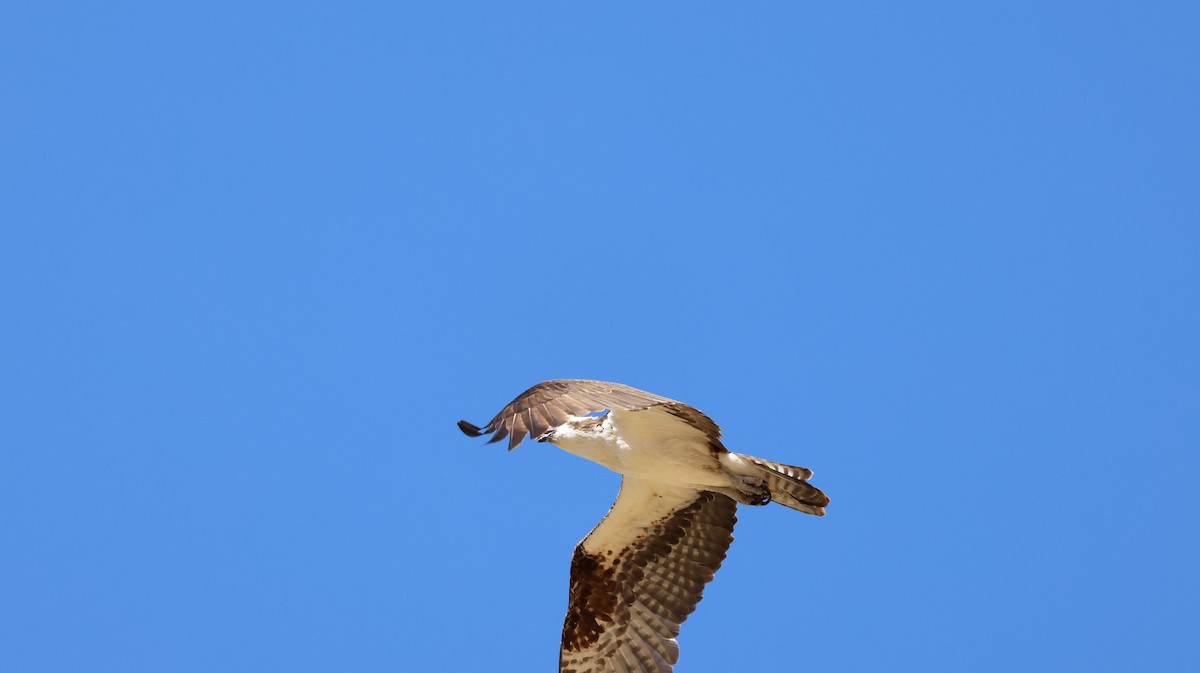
[(598, 448)]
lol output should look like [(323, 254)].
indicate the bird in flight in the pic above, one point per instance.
[(641, 571)]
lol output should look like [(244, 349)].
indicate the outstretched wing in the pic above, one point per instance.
[(551, 403), (639, 574)]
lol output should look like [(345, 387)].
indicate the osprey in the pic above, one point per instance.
[(641, 571)]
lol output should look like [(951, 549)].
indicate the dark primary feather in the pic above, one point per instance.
[(470, 430), (551, 403)]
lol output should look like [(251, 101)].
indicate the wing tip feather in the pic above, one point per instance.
[(470, 429)]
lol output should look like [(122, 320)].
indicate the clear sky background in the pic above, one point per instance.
[(256, 259)]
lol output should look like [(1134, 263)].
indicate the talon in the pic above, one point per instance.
[(754, 491)]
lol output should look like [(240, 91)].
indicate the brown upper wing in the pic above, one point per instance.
[(639, 575), (551, 403)]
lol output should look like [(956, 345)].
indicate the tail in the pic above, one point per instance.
[(789, 486)]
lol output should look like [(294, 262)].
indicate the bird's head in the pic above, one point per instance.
[(578, 431)]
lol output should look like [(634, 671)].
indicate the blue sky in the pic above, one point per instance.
[(257, 258)]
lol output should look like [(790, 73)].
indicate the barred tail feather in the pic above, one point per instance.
[(789, 486)]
